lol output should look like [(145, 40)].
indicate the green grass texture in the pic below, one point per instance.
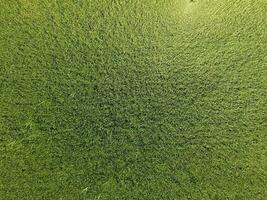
[(133, 100)]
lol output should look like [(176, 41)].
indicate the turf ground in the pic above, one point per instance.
[(109, 99)]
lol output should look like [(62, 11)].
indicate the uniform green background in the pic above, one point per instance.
[(109, 99)]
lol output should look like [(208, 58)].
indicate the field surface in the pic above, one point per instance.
[(133, 100)]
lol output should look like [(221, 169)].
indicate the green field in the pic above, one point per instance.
[(133, 100)]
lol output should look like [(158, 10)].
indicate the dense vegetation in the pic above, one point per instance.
[(110, 99)]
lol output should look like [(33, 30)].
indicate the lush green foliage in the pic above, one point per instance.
[(110, 99)]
